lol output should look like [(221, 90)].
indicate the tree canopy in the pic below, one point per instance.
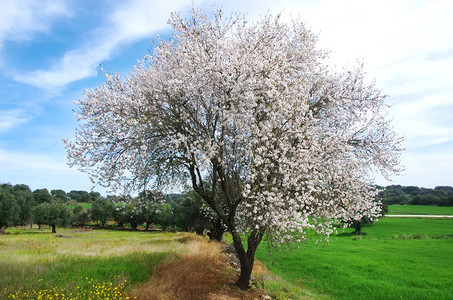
[(9, 211), (286, 144), (397, 194), (102, 210)]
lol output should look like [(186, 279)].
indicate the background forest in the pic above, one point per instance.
[(413, 195), (20, 206)]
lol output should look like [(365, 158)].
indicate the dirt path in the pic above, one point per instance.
[(418, 216), (201, 273)]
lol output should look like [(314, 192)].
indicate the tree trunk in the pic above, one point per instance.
[(216, 234), (3, 229), (199, 230), (246, 259), (246, 271), (216, 231), (147, 226), (134, 226), (358, 227), (54, 230)]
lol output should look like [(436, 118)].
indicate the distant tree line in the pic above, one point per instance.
[(413, 195), (20, 206)]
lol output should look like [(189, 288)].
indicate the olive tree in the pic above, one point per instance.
[(191, 214), (102, 210), (52, 213), (79, 216), (148, 203), (9, 211), (288, 145), (129, 211), (41, 214)]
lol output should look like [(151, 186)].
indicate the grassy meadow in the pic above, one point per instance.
[(85, 206), (396, 209), (108, 264), (398, 258), (96, 264)]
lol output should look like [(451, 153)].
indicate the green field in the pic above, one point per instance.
[(96, 264), (398, 258), (85, 206), (420, 210)]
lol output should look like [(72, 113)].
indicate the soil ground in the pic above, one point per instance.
[(202, 273)]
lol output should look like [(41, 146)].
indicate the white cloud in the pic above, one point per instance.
[(21, 20), (24, 161), (425, 120), (10, 119), (41, 171), (435, 101), (427, 169), (129, 22), (75, 65), (421, 133)]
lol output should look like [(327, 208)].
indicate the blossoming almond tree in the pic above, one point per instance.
[(287, 146)]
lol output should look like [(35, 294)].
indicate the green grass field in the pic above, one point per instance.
[(420, 210), (85, 206), (96, 264), (398, 258)]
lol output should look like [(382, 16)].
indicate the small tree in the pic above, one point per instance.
[(59, 195), (59, 215), (164, 216), (53, 214), (148, 203), (102, 210), (80, 216), (188, 212), (138, 210), (365, 215), (191, 213), (42, 196), (80, 196), (129, 213), (288, 146), (9, 211), (41, 214), (26, 201)]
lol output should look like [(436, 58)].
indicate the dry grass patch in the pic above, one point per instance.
[(46, 246), (201, 273)]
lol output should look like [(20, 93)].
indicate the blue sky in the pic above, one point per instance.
[(50, 51)]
